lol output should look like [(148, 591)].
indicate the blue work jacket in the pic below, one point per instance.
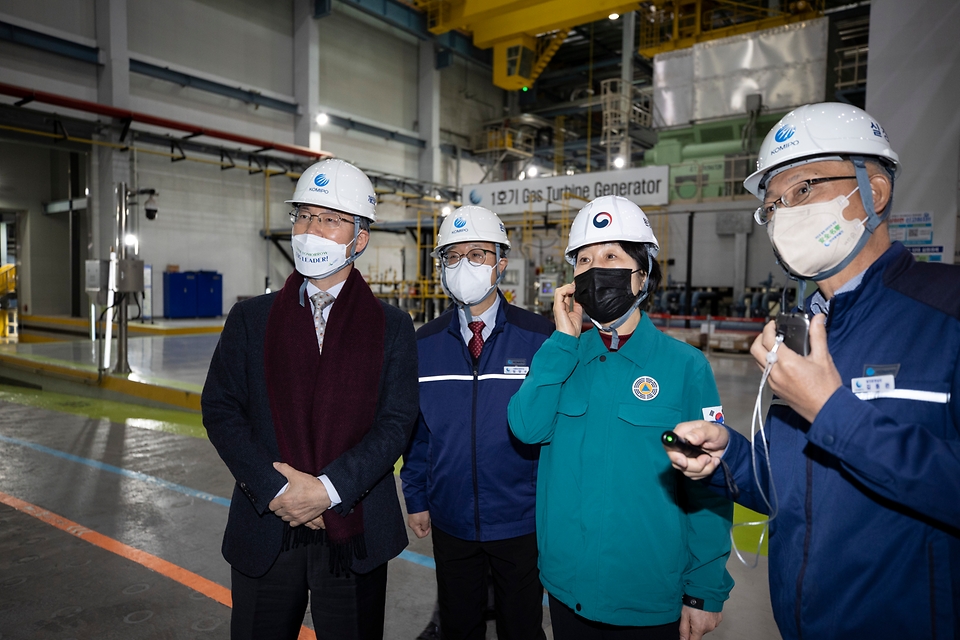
[(867, 540), (463, 464)]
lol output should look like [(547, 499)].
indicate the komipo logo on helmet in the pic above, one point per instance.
[(339, 186), (475, 198), (471, 223), (784, 133), (823, 131)]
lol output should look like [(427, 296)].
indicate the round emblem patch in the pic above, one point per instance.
[(645, 388)]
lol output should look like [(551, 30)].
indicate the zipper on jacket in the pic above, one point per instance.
[(931, 560), (473, 448), (808, 509)]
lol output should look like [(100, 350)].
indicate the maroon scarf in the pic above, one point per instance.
[(324, 405)]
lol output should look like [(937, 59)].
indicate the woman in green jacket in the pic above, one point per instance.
[(629, 548)]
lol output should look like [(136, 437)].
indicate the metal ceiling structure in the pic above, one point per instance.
[(578, 49)]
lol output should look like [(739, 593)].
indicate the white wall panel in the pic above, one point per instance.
[(467, 99), (913, 89), (250, 41), (42, 71), (200, 108), (76, 17), (368, 69), (370, 152), (211, 220), (787, 65)]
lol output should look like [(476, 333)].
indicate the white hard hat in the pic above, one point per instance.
[(471, 224), (819, 130), (610, 219), (337, 185)]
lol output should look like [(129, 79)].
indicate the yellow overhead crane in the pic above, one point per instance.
[(524, 34), (669, 25)]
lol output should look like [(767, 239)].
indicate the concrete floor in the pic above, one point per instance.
[(165, 494)]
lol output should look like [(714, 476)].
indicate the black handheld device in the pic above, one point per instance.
[(675, 443), (795, 329)]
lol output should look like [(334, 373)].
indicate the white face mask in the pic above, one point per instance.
[(468, 284), (814, 238), (317, 257)]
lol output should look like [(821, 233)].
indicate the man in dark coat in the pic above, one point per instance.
[(310, 399)]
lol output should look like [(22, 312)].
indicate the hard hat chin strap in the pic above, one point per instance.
[(869, 225), (641, 296), (353, 249)]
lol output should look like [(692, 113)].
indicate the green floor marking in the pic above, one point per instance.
[(746, 538), (168, 420)]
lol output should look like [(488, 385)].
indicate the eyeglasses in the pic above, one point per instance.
[(793, 197), (326, 220), (476, 257)]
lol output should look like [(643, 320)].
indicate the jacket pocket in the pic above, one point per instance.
[(572, 404), (638, 415)]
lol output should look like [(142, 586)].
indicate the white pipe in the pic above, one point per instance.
[(111, 288)]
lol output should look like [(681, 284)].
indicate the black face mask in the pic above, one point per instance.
[(605, 294)]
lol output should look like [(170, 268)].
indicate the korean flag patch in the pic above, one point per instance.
[(713, 414)]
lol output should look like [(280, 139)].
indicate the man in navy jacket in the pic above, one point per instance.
[(465, 477), (864, 448)]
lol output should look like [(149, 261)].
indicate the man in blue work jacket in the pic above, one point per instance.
[(465, 477), (864, 451)]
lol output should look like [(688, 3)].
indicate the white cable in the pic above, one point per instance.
[(772, 503)]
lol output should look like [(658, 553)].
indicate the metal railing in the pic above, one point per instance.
[(502, 139), (711, 179), (851, 67)]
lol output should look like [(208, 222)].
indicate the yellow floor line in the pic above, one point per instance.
[(39, 323), (167, 395)]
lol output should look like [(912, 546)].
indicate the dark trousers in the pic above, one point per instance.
[(461, 587), (567, 625), (271, 607)]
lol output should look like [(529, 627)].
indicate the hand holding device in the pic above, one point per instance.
[(795, 329), (673, 442)]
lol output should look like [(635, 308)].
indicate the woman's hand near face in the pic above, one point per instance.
[(568, 321)]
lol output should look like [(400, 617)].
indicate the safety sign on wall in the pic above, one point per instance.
[(644, 186), (915, 231)]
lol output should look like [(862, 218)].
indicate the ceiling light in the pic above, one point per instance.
[(446, 211), (533, 171), (322, 119), (523, 174), (569, 171), (614, 16), (130, 240), (618, 162)]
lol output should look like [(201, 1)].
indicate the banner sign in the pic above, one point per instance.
[(644, 186), (912, 228)]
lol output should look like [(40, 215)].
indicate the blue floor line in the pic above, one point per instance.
[(418, 558), (409, 556), (135, 475)]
